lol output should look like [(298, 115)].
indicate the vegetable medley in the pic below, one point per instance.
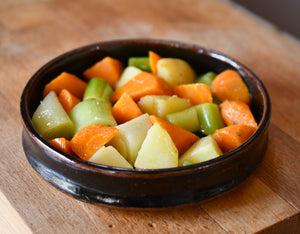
[(154, 113)]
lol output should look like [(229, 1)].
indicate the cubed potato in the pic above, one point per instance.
[(157, 151), (130, 137), (128, 73), (109, 156), (175, 71), (162, 105), (204, 149)]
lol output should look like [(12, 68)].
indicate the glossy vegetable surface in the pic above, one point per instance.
[(113, 114)]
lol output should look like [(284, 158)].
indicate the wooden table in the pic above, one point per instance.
[(33, 32)]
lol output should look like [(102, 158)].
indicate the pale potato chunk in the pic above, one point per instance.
[(130, 137), (157, 150), (128, 73), (202, 150), (109, 156), (175, 71), (162, 105)]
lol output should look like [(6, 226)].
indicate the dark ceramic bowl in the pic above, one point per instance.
[(143, 188)]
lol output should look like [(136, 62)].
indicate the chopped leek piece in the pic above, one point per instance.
[(51, 120), (142, 63), (97, 89), (206, 78), (92, 111), (209, 118)]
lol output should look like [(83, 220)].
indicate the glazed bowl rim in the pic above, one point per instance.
[(124, 172)]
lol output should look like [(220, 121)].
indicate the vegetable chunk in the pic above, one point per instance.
[(229, 85), (51, 120), (66, 81), (125, 109), (175, 71), (157, 150), (130, 137), (144, 83), (109, 156), (90, 139), (232, 136), (197, 93), (108, 69), (182, 138), (204, 149), (237, 112), (161, 105)]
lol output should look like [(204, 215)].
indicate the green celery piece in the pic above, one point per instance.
[(187, 119), (92, 111), (142, 63), (209, 118), (97, 88), (50, 119), (206, 78)]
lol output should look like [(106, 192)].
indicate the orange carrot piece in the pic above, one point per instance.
[(67, 100), (153, 58), (197, 93), (230, 85), (90, 139), (125, 109), (108, 69), (237, 112), (66, 81), (182, 138), (62, 144), (232, 136), (144, 83)]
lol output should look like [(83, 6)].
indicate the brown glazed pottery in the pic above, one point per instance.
[(132, 188)]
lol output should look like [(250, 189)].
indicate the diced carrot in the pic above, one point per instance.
[(90, 139), (144, 83), (230, 85), (197, 93), (67, 100), (108, 69), (125, 109), (66, 81), (182, 138), (232, 136), (62, 144), (237, 112), (153, 59)]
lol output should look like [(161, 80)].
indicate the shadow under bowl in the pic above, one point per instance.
[(132, 188)]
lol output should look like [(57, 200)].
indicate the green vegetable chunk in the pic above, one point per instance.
[(92, 111), (142, 63), (209, 118), (97, 89), (51, 120), (206, 78), (187, 119)]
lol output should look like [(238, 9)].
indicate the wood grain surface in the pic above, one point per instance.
[(32, 32)]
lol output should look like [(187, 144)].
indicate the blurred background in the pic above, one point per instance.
[(283, 14)]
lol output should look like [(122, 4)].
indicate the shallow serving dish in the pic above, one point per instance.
[(143, 188)]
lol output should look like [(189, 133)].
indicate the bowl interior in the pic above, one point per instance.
[(143, 188), (76, 61)]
